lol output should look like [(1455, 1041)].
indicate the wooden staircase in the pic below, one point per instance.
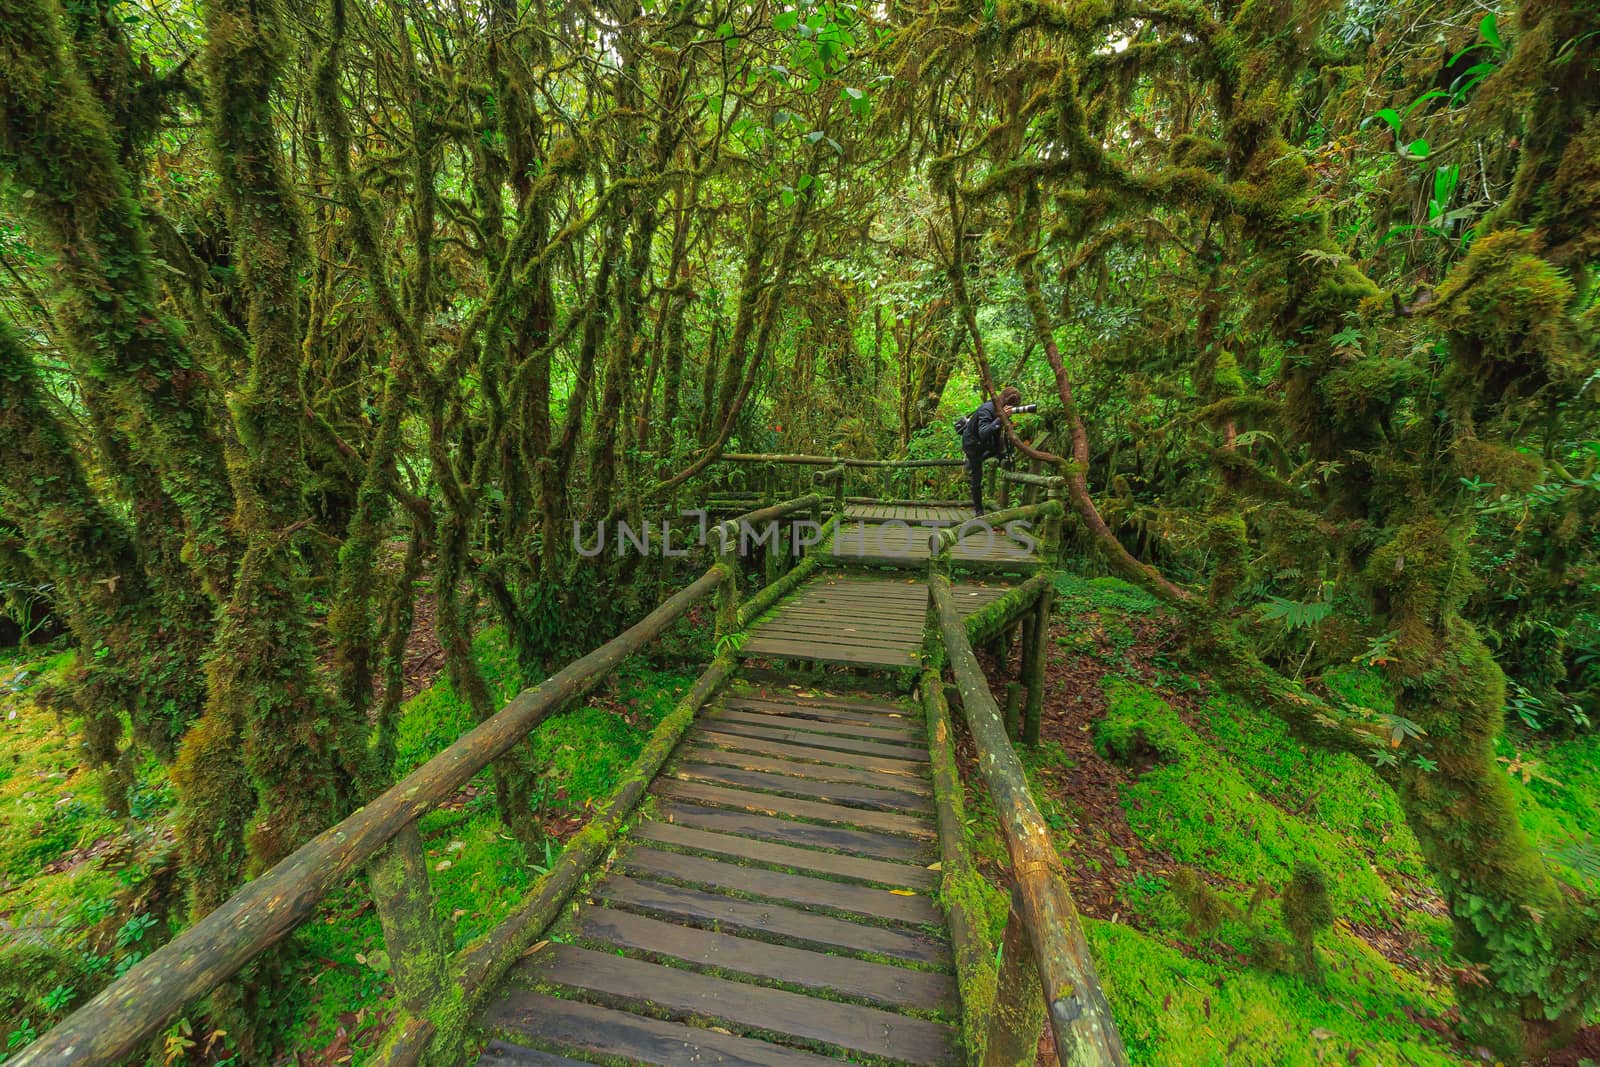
[(774, 908)]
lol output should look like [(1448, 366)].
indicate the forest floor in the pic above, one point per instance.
[(84, 894), (1182, 811)]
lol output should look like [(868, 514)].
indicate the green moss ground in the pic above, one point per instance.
[(1221, 796), (79, 886), (479, 872)]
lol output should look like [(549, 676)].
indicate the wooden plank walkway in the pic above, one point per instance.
[(854, 621), (897, 535), (917, 513), (774, 909)]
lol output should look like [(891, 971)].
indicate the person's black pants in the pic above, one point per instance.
[(975, 481)]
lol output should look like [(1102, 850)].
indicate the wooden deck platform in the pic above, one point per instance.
[(913, 513), (854, 621), (904, 544), (775, 909)]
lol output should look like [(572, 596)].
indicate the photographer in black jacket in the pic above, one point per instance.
[(983, 436)]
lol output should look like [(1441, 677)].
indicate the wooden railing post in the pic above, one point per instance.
[(1081, 1023), (419, 952), (1014, 709), (1050, 543), (1017, 1017), (724, 545), (1035, 653)]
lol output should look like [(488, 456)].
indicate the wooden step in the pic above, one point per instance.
[(817, 772), (606, 1032), (788, 750), (839, 976), (818, 697), (503, 1054), (796, 808), (846, 793), (794, 736), (794, 1016), (796, 889), (890, 734), (803, 834), (775, 921), (748, 850), (822, 711)]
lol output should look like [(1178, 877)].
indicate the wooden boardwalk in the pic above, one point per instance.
[(897, 536), (854, 621), (774, 909), (774, 906), (917, 513)]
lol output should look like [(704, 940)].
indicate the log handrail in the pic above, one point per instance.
[(834, 461), (1044, 921), (730, 527), (113, 1024), (1046, 481), (833, 473), (946, 537)]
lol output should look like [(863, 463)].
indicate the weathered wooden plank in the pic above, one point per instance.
[(850, 1027), (849, 794), (891, 734), (889, 718), (791, 750), (750, 850), (882, 983), (817, 772), (774, 921), (835, 643), (796, 808), (505, 1054), (814, 740), (803, 834), (600, 1031), (831, 625), (831, 654), (818, 701), (798, 889)]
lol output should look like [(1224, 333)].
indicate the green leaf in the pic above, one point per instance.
[(1294, 614), (1445, 180), (1390, 116), (1417, 149), (1490, 29), (786, 21), (1431, 94)]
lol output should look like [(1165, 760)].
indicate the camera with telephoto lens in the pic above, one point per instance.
[(1025, 409)]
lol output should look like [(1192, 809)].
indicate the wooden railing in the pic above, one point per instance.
[(436, 990), (764, 466), (1045, 966)]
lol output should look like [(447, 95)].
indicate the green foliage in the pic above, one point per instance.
[(1293, 614)]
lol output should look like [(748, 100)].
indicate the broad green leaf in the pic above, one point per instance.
[(1390, 116), (1490, 28)]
